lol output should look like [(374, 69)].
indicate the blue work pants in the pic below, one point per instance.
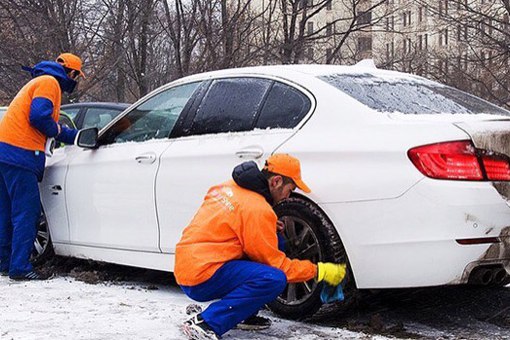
[(243, 288), (20, 209)]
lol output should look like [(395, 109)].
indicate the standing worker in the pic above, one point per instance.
[(30, 120), (230, 251)]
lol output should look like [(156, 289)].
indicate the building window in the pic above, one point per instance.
[(407, 45), (329, 5), (305, 3), (364, 44), (443, 7), (329, 29), (310, 27), (364, 18), (420, 14), (310, 53), (406, 18), (426, 41), (420, 42), (443, 37)]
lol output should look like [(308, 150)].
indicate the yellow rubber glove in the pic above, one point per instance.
[(331, 273)]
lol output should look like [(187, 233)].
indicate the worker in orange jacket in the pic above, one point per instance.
[(230, 251), (30, 120)]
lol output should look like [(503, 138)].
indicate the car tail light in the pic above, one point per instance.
[(460, 160), (497, 168)]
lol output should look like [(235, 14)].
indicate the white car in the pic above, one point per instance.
[(409, 178)]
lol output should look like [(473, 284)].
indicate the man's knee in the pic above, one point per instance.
[(278, 280)]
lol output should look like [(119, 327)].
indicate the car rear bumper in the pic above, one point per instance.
[(411, 241)]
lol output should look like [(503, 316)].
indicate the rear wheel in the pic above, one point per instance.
[(309, 235), (42, 244)]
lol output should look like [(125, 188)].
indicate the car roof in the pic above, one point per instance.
[(365, 67), (97, 104)]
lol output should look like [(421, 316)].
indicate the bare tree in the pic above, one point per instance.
[(474, 51)]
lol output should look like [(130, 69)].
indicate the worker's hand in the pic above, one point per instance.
[(59, 129), (331, 273), (280, 226)]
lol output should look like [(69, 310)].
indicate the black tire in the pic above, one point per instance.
[(43, 249), (309, 235)]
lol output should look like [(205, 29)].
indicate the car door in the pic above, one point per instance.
[(110, 190), (238, 119)]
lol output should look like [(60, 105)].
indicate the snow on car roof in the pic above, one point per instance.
[(314, 70)]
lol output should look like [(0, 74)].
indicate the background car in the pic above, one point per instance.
[(93, 114), (409, 178)]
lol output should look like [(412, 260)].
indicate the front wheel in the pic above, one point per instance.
[(43, 248), (309, 235)]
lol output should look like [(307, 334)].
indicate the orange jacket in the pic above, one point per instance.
[(233, 223), (15, 127)]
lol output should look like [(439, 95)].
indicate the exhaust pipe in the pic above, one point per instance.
[(481, 276), (499, 276)]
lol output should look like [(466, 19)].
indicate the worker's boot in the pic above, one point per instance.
[(254, 323), (33, 275), (197, 329)]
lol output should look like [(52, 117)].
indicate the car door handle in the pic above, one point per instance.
[(55, 189), (250, 152), (146, 158)]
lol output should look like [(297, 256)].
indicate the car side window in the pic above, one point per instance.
[(66, 121), (99, 117), (72, 112), (284, 108), (230, 105), (152, 119)]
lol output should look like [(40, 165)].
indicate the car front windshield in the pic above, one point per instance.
[(410, 95)]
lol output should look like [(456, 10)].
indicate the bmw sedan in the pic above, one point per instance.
[(410, 178)]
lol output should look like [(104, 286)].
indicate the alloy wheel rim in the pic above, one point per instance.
[(42, 238), (300, 243)]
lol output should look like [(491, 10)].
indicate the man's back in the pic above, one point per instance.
[(217, 233)]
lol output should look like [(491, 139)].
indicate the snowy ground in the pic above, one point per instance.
[(90, 300), (64, 308)]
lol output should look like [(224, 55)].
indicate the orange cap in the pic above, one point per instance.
[(288, 166), (71, 61)]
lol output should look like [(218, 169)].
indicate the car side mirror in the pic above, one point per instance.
[(87, 138)]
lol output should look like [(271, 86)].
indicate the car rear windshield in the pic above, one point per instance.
[(410, 96)]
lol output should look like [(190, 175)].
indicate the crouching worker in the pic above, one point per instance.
[(230, 251), (29, 121)]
